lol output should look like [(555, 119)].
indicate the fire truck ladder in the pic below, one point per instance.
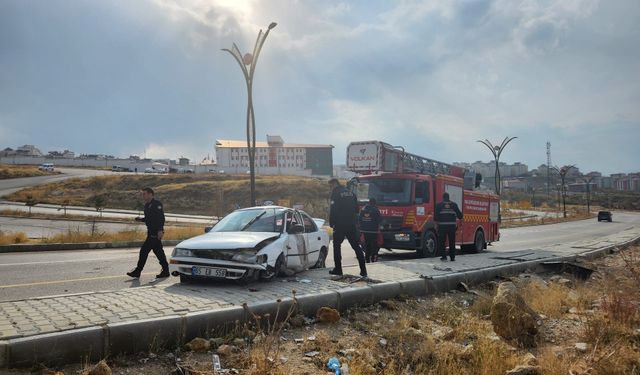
[(420, 164)]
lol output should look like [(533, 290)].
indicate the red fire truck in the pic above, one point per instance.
[(407, 188)]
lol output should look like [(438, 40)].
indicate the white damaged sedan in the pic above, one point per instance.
[(253, 243)]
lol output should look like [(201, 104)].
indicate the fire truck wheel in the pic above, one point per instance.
[(429, 245), (478, 242)]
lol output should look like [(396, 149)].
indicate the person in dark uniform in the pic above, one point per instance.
[(154, 219), (342, 218), (369, 219), (446, 214)]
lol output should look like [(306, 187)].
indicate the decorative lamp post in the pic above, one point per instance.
[(247, 64), (587, 180), (497, 151), (563, 191)]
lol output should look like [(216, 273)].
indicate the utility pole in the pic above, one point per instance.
[(548, 169)]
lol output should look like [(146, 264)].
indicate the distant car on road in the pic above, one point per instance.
[(253, 243), (117, 168), (47, 167), (605, 216)]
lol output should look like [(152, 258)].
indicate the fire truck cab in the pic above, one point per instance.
[(407, 188)]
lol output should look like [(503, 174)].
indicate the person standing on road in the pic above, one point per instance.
[(342, 218), (369, 219), (445, 216), (154, 219)]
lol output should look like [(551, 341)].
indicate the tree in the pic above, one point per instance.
[(30, 202), (99, 202), (63, 206)]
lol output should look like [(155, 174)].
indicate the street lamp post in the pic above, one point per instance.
[(563, 191), (250, 60), (497, 151), (588, 181)]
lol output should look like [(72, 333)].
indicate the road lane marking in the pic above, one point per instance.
[(64, 281), (64, 261)]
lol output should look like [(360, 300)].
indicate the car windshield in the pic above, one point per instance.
[(256, 220), (386, 191)]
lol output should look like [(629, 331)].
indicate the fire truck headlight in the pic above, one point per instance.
[(403, 237)]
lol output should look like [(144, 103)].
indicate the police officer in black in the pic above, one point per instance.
[(369, 226), (154, 219), (445, 217), (342, 218)]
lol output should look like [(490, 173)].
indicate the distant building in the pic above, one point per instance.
[(626, 182), (28, 150), (274, 157), (520, 184), (488, 170), (64, 154)]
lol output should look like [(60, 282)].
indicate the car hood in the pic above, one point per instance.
[(226, 240)]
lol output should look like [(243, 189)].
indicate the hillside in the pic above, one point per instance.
[(187, 194)]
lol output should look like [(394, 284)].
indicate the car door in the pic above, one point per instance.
[(313, 238), (296, 247)]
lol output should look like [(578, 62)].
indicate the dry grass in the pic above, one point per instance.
[(38, 215), (571, 216), (77, 236), (203, 194), (552, 300), (171, 233), (8, 171), (11, 238)]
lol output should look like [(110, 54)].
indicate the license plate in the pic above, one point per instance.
[(208, 271)]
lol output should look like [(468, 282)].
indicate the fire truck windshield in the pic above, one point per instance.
[(386, 191)]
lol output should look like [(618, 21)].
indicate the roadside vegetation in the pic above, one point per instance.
[(8, 171), (606, 199), (197, 194), (583, 327), (77, 235), (512, 215)]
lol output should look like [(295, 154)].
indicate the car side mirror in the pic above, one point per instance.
[(207, 229), (296, 228)]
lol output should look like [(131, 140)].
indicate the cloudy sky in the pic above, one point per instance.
[(148, 77)]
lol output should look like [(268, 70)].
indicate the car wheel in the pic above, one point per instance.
[(271, 273), (478, 242), (429, 245), (322, 258)]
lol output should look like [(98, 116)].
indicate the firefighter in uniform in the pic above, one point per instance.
[(445, 216), (369, 219), (342, 218), (154, 219)]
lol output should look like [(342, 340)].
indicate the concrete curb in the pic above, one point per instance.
[(59, 347), (147, 335), (76, 246), (94, 343)]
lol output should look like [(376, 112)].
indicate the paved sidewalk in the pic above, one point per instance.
[(42, 315)]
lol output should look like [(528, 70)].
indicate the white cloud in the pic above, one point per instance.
[(434, 74)]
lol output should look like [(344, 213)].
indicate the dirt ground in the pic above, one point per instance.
[(585, 326)]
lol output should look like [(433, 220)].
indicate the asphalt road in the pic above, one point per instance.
[(63, 272)]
